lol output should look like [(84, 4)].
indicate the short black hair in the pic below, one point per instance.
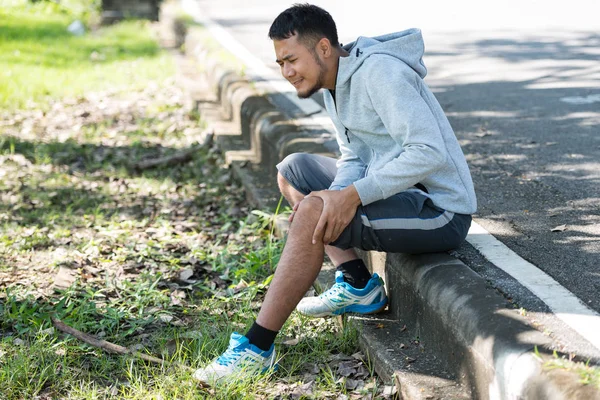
[(309, 22)]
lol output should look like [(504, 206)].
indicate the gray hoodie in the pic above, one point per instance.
[(391, 130)]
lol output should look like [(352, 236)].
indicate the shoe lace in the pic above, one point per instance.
[(332, 292), (230, 356)]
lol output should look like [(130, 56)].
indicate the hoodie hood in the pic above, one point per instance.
[(406, 46)]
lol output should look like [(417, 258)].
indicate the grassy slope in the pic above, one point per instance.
[(39, 58)]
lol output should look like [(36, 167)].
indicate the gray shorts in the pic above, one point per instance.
[(407, 222)]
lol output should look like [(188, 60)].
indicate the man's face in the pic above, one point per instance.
[(301, 66)]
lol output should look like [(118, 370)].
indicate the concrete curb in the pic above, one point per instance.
[(447, 334)]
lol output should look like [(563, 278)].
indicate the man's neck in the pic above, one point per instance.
[(332, 78)]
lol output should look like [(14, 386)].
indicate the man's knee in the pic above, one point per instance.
[(292, 162), (310, 207), (289, 167), (283, 183)]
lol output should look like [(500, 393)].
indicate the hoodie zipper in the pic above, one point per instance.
[(339, 118)]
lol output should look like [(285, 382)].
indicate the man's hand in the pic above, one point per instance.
[(339, 207), (291, 217)]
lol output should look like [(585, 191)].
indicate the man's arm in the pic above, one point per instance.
[(411, 123)]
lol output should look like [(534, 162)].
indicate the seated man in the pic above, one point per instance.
[(401, 184)]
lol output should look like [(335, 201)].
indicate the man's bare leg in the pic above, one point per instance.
[(336, 255), (298, 267)]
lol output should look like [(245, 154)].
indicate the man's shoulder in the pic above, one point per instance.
[(381, 68), (382, 64)]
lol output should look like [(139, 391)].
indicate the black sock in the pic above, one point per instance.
[(261, 337), (355, 273)]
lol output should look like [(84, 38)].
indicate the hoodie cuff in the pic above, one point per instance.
[(368, 191)]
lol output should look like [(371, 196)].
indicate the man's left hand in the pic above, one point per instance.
[(339, 207)]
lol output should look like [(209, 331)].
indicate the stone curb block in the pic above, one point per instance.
[(269, 132), (452, 309), (465, 326)]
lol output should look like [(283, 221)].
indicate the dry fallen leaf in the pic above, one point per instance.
[(351, 384), (340, 357), (312, 368), (49, 331), (362, 372), (291, 342), (389, 390), (192, 335), (303, 390), (346, 371), (186, 274), (176, 297), (165, 318), (240, 286), (559, 228), (64, 278)]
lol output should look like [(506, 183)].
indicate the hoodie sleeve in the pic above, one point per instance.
[(410, 122)]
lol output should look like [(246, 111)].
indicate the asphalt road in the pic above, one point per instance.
[(520, 82)]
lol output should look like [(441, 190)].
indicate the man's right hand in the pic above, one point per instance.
[(339, 207)]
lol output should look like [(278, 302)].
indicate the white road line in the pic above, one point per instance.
[(563, 303), (592, 98)]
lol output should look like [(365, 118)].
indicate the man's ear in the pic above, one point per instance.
[(324, 47)]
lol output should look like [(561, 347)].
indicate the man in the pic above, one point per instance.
[(401, 185)]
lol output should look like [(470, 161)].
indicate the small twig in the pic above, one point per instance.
[(180, 157), (113, 348)]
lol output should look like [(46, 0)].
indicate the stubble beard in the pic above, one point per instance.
[(319, 83)]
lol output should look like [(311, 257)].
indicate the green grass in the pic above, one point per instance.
[(40, 59), (127, 236), (588, 374), (169, 260), (127, 282)]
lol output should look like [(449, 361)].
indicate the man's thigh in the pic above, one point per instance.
[(308, 172), (407, 222)]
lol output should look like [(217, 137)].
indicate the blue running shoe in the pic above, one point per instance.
[(343, 298), (240, 359)]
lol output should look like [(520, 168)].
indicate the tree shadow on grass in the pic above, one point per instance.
[(91, 178)]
